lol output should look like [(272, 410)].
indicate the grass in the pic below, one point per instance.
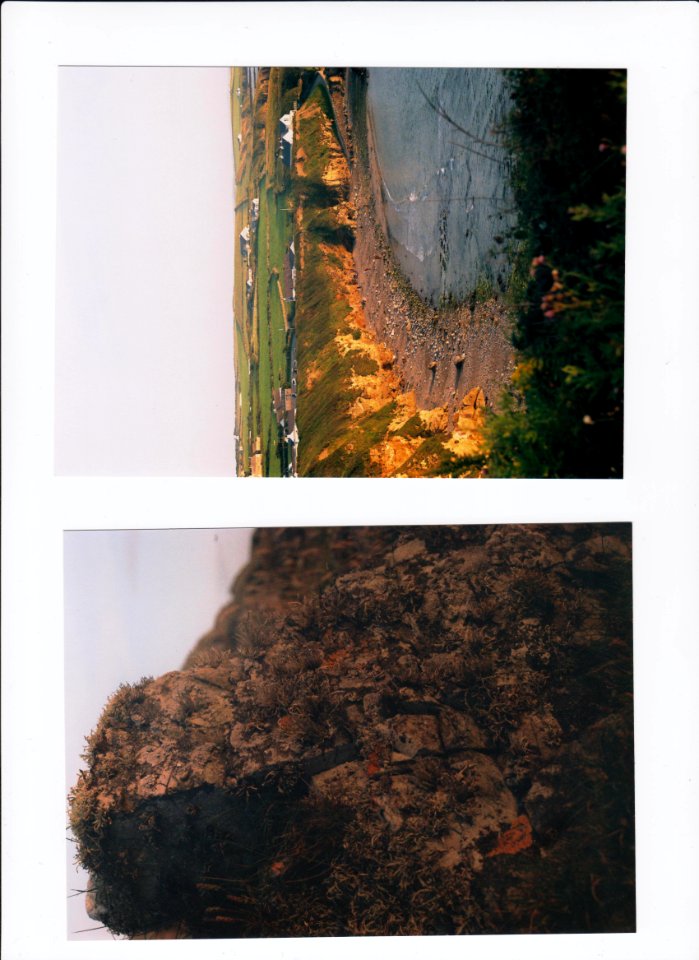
[(322, 314), (242, 379), (261, 338), (430, 459), (326, 427), (350, 458)]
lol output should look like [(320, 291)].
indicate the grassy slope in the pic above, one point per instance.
[(279, 237), (333, 443), (325, 391), (242, 333)]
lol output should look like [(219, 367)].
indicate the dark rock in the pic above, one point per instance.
[(387, 731)]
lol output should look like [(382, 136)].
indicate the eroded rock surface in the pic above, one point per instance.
[(387, 731)]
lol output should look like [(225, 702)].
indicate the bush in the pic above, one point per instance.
[(564, 416)]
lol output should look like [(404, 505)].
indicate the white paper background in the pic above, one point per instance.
[(658, 44), (144, 276), (136, 601)]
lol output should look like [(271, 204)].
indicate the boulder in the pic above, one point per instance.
[(387, 731)]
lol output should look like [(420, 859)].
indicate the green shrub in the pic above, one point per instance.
[(564, 417)]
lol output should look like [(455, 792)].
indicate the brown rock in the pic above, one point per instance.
[(387, 731)]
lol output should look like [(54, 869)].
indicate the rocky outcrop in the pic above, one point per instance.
[(387, 731)]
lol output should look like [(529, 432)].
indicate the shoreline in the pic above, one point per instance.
[(440, 354)]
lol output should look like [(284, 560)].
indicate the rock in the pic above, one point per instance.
[(387, 731), (408, 550)]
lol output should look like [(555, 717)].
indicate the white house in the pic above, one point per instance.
[(286, 130), (245, 241)]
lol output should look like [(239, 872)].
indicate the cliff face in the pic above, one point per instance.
[(387, 731)]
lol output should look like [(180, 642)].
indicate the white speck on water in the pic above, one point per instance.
[(443, 241)]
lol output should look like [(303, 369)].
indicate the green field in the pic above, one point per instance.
[(262, 340)]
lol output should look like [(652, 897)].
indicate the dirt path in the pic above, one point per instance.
[(440, 354)]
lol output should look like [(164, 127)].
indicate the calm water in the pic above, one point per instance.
[(446, 196)]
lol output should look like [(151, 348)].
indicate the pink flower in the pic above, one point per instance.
[(603, 147), (549, 314)]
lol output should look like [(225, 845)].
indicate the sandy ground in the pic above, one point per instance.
[(440, 354)]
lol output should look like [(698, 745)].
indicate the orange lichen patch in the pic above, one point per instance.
[(345, 213), (334, 659), (346, 342), (337, 171), (466, 438), (256, 464), (474, 400), (300, 243), (340, 266), (517, 837), (299, 162), (392, 453), (363, 406), (405, 409), (374, 764), (435, 420), (373, 386), (463, 444), (375, 390)]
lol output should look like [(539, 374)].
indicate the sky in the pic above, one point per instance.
[(144, 327), (136, 602)]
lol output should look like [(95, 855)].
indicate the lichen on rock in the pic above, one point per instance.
[(387, 731)]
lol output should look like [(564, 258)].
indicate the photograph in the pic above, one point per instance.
[(144, 374), (429, 274), (385, 731), (341, 272)]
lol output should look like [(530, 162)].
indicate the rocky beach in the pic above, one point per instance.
[(440, 354)]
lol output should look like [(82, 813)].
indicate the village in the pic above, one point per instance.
[(270, 307)]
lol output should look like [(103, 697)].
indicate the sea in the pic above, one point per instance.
[(447, 196)]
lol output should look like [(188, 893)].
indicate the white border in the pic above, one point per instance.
[(658, 44)]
